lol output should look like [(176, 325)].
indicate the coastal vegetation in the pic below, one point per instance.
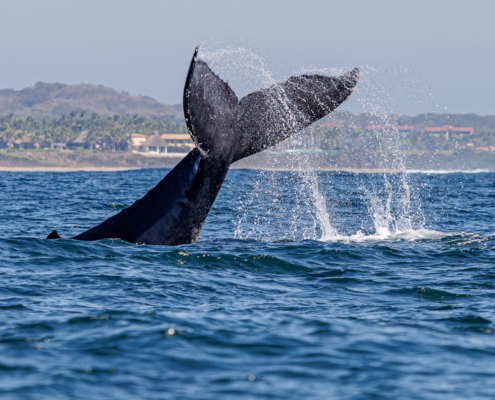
[(50, 116), (112, 132), (103, 132), (336, 144), (358, 137)]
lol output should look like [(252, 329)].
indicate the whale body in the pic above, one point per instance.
[(224, 130)]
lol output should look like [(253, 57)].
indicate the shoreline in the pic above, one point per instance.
[(129, 168), (95, 161), (66, 169)]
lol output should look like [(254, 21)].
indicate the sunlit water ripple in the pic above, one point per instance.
[(260, 307)]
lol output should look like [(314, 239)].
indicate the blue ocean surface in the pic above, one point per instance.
[(312, 285)]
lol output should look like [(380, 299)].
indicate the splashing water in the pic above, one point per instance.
[(393, 204), (250, 68)]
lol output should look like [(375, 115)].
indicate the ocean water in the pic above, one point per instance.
[(323, 285)]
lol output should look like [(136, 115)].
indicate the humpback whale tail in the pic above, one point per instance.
[(219, 123), (224, 130)]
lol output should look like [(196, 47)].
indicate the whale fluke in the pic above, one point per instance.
[(224, 130), (271, 115), (261, 119)]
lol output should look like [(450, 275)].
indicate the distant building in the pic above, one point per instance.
[(482, 149), (25, 144), (30, 145), (178, 142), (45, 144), (181, 142), (154, 144), (464, 131), (7, 144), (137, 140), (309, 141), (447, 130), (80, 141), (176, 139), (388, 127), (329, 125)]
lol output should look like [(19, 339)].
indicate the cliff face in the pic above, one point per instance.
[(53, 99)]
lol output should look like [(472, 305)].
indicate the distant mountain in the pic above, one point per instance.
[(53, 99)]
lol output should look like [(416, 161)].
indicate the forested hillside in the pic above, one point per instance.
[(50, 100)]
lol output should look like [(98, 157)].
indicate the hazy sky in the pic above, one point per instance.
[(426, 56)]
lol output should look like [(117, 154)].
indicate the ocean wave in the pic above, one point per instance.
[(387, 235), (446, 171), (270, 315)]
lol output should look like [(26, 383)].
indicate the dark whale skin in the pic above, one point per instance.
[(224, 130), (171, 213)]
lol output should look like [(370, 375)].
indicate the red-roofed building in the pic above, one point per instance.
[(386, 128), (468, 131), (448, 129), (328, 125), (331, 125), (178, 138)]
